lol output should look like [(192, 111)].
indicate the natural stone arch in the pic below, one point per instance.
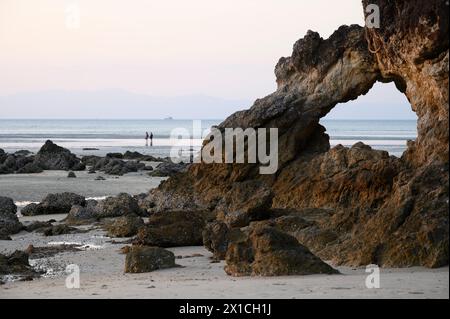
[(365, 206)]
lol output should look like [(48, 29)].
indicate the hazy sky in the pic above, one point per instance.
[(221, 48)]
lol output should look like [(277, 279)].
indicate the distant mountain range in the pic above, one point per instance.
[(115, 103)]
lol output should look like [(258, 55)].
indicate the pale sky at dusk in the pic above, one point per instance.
[(226, 49)]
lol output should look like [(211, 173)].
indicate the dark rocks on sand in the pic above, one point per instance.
[(83, 214), (16, 264), (71, 175), (266, 251), (37, 225), (54, 204), (30, 168), (121, 205), (173, 229), (54, 157), (56, 230), (9, 223), (168, 169), (146, 259), (115, 155), (112, 165), (125, 226)]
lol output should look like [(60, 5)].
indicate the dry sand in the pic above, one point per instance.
[(102, 276)]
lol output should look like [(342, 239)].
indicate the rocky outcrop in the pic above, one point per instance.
[(54, 157), (54, 204), (112, 165), (125, 226), (9, 223), (374, 208), (265, 251), (173, 229), (148, 259), (49, 157)]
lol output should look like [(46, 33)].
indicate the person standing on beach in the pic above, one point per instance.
[(146, 138), (151, 138)]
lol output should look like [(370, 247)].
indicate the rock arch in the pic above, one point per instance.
[(365, 206)]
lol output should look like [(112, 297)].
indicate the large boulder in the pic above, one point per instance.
[(120, 205), (266, 251), (146, 259), (54, 157), (86, 214), (9, 223), (173, 229), (125, 226), (60, 203)]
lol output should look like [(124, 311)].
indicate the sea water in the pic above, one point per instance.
[(121, 135)]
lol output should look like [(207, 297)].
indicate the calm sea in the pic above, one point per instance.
[(121, 135)]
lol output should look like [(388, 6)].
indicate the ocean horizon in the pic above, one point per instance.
[(101, 136)]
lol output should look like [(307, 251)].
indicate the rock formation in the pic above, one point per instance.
[(125, 226), (173, 229), (265, 251), (363, 205), (54, 204), (54, 157), (9, 223), (147, 259)]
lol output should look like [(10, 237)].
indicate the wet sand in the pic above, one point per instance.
[(34, 187)]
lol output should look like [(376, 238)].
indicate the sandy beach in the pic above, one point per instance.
[(25, 188), (102, 275)]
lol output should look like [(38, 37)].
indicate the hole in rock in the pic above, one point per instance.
[(382, 118)]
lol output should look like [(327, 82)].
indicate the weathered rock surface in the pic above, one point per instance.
[(112, 165), (86, 214), (168, 168), (17, 264), (54, 157), (216, 237), (146, 259), (173, 229), (56, 230), (54, 204), (121, 205), (265, 251), (125, 226), (379, 209), (245, 202), (9, 223)]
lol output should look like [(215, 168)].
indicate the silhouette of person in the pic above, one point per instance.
[(151, 138), (146, 138)]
